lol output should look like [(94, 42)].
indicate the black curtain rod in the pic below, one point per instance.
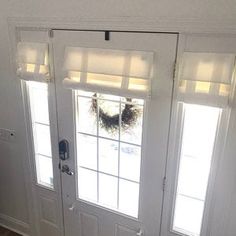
[(120, 31)]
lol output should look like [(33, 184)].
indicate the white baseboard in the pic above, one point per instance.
[(15, 225)]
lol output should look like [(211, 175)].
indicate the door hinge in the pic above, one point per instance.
[(164, 184)]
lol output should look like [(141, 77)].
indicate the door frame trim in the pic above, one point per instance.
[(119, 24)]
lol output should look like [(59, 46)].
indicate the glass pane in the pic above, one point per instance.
[(39, 102), (108, 156), (199, 132), (193, 177), (188, 215), (87, 151), (87, 184), (128, 197), (87, 119), (109, 119), (108, 190), (42, 139), (132, 133), (200, 123), (44, 170), (130, 158)]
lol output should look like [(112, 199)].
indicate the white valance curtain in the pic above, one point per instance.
[(118, 72), (32, 61), (206, 78)]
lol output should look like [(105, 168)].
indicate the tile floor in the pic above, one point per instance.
[(6, 232)]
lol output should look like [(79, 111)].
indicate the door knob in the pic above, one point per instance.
[(66, 169), (139, 233), (72, 207)]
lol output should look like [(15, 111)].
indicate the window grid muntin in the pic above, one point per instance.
[(177, 229), (121, 101), (116, 176), (97, 117), (31, 86), (118, 179)]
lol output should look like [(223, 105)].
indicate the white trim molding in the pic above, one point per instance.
[(159, 24), (15, 225)]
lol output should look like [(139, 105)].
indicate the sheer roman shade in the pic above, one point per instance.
[(206, 78), (118, 72), (32, 61)]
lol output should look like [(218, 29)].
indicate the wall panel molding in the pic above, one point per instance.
[(14, 224)]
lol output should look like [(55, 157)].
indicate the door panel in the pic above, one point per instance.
[(90, 219)]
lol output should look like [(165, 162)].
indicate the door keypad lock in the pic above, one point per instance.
[(64, 150)]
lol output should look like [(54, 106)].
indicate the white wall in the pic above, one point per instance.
[(185, 9), (12, 186), (188, 13)]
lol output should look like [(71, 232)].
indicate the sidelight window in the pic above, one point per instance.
[(203, 92), (198, 138), (38, 100)]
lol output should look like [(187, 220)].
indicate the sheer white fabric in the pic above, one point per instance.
[(118, 72), (32, 61), (206, 78)]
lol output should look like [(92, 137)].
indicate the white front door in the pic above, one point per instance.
[(112, 182)]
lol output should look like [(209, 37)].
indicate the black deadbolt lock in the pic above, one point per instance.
[(64, 150)]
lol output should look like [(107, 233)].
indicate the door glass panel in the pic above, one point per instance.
[(112, 108), (112, 163), (86, 121), (108, 188), (87, 153), (88, 184), (134, 133), (128, 197), (108, 156), (130, 158), (199, 134), (39, 113)]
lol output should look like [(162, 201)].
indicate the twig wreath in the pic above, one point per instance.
[(110, 123)]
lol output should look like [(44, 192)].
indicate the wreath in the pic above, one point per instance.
[(110, 123)]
